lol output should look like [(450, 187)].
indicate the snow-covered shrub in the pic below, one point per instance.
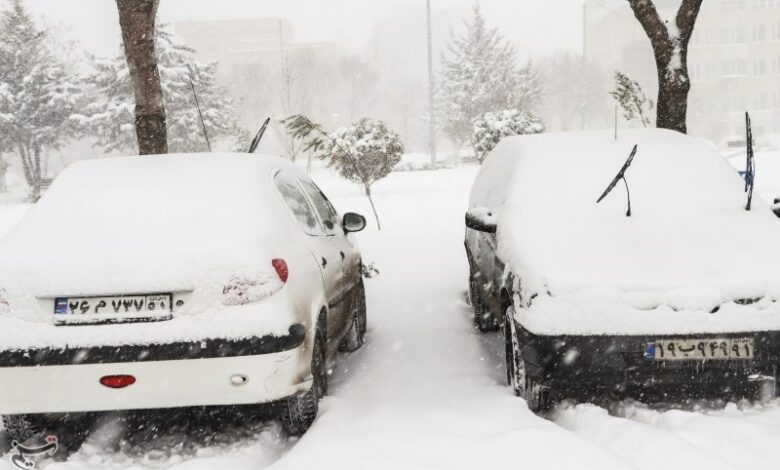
[(364, 152), (492, 127)]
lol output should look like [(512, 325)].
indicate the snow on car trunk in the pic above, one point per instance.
[(166, 224), (689, 245)]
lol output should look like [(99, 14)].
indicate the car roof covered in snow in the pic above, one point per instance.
[(152, 219), (689, 225)]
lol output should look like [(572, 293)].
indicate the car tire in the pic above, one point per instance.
[(357, 332), (537, 396), (298, 413), (484, 320)]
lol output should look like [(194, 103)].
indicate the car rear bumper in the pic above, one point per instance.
[(166, 376), (601, 363)]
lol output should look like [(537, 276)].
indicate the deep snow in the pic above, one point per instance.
[(427, 392)]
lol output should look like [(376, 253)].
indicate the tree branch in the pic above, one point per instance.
[(686, 19), (647, 15)]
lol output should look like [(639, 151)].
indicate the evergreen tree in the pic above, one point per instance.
[(111, 118), (480, 75), (631, 99), (37, 94)]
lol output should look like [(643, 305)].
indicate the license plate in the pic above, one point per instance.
[(700, 349), (112, 308)]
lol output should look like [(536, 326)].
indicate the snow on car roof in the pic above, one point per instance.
[(689, 230), (108, 223)]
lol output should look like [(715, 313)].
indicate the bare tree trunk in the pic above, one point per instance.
[(670, 47), (373, 208), (25, 165), (137, 19)]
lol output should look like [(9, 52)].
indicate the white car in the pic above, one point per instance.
[(176, 281)]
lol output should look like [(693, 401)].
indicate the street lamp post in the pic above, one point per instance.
[(431, 86)]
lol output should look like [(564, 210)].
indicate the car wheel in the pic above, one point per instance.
[(537, 396), (483, 319), (298, 413), (356, 336)]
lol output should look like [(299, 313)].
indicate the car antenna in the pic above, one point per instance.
[(621, 176), (750, 165), (197, 104), (258, 136)]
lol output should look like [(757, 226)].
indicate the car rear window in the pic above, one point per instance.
[(328, 214), (297, 202)]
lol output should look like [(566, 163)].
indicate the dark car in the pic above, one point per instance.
[(675, 296)]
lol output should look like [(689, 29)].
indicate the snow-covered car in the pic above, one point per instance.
[(678, 299), (176, 281)]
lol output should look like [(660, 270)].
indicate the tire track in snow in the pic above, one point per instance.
[(747, 439), (643, 445), (423, 392)]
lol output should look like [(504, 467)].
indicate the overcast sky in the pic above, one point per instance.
[(536, 26)]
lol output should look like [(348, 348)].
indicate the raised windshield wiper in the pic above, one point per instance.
[(621, 176)]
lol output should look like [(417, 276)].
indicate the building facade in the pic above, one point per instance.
[(733, 60)]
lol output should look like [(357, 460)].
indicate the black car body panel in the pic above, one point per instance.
[(586, 366)]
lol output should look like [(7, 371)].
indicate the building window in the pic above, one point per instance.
[(709, 70), (732, 35), (759, 67), (759, 101), (732, 67), (732, 5), (758, 33)]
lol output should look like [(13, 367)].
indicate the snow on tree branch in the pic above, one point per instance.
[(110, 115), (492, 127)]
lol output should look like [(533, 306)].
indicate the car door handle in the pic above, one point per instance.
[(324, 262), (342, 255)]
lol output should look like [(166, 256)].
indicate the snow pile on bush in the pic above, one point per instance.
[(492, 127), (374, 148), (690, 246), (414, 162)]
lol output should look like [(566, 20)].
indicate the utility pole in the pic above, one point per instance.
[(431, 88)]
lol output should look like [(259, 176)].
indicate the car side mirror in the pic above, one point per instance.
[(353, 222), (481, 219)]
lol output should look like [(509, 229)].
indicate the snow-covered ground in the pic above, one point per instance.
[(427, 390)]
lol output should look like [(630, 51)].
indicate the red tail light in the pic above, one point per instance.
[(117, 381), (280, 266)]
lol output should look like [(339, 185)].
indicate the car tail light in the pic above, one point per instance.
[(246, 289), (280, 266), (117, 381)]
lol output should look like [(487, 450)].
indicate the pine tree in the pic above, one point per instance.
[(111, 116), (480, 75), (38, 95), (629, 95)]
